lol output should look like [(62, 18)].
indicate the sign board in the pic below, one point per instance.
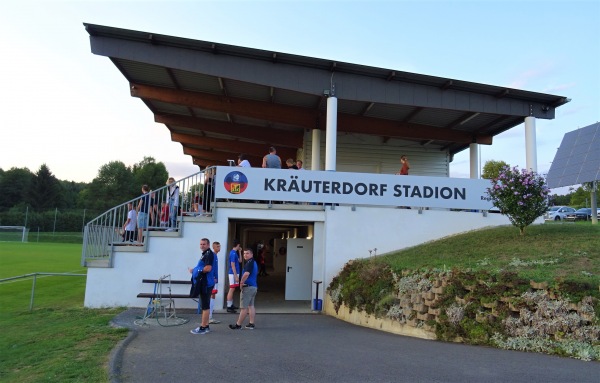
[(350, 188)]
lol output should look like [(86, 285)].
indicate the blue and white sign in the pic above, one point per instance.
[(350, 188)]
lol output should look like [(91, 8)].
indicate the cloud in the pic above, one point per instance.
[(560, 87), (522, 79)]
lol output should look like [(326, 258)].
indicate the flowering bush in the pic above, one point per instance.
[(519, 194)]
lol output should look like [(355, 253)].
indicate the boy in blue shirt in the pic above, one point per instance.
[(234, 274)]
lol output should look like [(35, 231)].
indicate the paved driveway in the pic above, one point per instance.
[(318, 348)]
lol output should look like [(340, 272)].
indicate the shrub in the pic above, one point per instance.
[(520, 195)]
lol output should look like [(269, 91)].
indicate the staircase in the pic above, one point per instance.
[(104, 234)]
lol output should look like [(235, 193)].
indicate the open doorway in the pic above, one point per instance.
[(269, 241)]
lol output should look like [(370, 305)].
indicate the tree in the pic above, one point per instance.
[(520, 195), (582, 197), (492, 168), (149, 172), (560, 200), (14, 185), (113, 186), (45, 192), (72, 192)]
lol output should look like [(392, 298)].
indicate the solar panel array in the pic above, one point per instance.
[(577, 159)]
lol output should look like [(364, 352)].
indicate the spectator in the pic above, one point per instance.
[(173, 201), (215, 290), (204, 266), (154, 216), (164, 215), (234, 274), (129, 227), (291, 164), (243, 162), (249, 289), (299, 164), (405, 166), (272, 160), (142, 209), (197, 201), (208, 191)]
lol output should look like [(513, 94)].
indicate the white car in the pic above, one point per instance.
[(558, 213)]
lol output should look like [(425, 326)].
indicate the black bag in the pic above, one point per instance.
[(196, 282)]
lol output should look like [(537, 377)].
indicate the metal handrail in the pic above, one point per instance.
[(34, 275), (104, 232)]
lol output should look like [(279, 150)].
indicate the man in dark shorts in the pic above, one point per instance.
[(204, 266)]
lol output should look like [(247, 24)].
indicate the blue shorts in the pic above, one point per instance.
[(142, 220)]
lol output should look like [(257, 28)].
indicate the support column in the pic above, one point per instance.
[(530, 144), (474, 160), (593, 204), (331, 134), (315, 162)]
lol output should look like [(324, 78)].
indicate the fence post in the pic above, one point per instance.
[(32, 292), (55, 214)]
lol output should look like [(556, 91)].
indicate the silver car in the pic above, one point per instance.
[(558, 213)]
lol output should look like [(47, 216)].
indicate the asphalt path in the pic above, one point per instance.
[(319, 348)]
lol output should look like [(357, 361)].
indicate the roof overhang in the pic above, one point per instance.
[(219, 100)]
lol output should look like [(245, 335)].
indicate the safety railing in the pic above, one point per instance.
[(34, 278), (162, 208)]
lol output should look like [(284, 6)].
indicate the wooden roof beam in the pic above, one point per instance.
[(292, 115), (233, 146), (269, 136), (217, 157), (303, 117)]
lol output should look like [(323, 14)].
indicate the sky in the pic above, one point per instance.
[(65, 107)]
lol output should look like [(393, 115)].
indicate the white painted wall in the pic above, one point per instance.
[(339, 235), (369, 154)]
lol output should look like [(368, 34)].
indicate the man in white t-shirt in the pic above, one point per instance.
[(130, 225), (243, 162)]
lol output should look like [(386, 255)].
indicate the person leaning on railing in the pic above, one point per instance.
[(173, 201)]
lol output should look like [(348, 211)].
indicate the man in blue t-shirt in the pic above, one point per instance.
[(234, 274), (215, 272), (249, 289), (204, 266)]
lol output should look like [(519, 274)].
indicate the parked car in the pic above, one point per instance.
[(558, 213), (583, 214)]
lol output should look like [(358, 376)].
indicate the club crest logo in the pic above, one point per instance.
[(235, 182)]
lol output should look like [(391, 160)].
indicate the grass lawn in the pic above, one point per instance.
[(547, 252), (59, 340)]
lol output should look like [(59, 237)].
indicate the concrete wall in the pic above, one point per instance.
[(340, 234)]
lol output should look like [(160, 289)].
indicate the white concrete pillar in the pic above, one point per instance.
[(315, 162), (331, 134), (530, 144), (474, 160)]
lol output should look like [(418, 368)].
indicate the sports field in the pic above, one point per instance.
[(58, 340)]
